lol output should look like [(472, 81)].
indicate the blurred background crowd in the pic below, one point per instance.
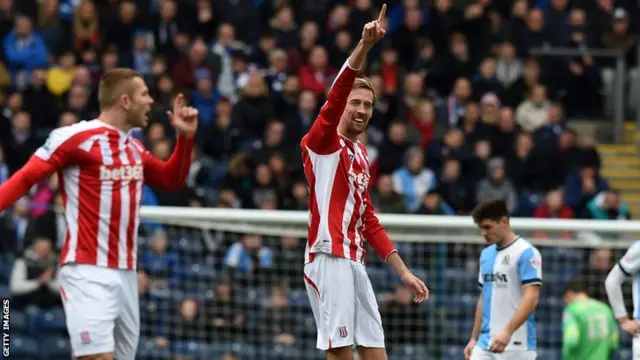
[(464, 114)]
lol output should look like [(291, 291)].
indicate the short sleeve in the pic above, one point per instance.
[(59, 146), (630, 262), (480, 281), (530, 267)]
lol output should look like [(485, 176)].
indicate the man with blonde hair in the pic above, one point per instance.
[(101, 170)]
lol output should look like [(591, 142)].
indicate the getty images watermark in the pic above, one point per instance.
[(5, 328)]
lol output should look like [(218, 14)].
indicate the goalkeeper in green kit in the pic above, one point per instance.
[(589, 329)]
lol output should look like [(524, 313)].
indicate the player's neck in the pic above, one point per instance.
[(580, 297), (508, 240), (115, 119)]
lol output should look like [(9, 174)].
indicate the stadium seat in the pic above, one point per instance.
[(49, 321), (23, 347), (548, 354), (19, 322), (194, 349), (283, 352), (409, 352), (198, 272), (147, 350), (57, 347), (6, 267), (299, 300)]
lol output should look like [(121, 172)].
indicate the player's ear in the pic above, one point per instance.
[(125, 101)]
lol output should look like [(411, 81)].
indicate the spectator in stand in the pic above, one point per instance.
[(227, 321), (34, 277), (402, 318), (315, 76), (278, 324), (454, 189), (161, 263), (386, 199), (497, 186), (154, 311), (413, 180), (248, 256), (432, 204), (608, 206), (191, 324), (534, 112), (580, 187), (553, 208), (24, 51)]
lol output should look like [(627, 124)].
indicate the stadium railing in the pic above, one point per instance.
[(201, 299)]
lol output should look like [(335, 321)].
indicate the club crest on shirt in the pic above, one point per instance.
[(505, 260), (85, 338), (342, 331)]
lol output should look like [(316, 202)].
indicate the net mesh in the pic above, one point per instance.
[(211, 294), (231, 295)]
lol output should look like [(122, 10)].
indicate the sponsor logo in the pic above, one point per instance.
[(122, 173), (360, 180), (342, 331), (498, 279)]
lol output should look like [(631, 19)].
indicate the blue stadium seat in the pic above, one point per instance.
[(379, 278), (6, 267), (24, 347), (49, 321), (195, 349), (548, 354), (285, 352), (454, 352), (624, 354), (410, 352), (55, 347), (19, 322), (198, 272), (147, 350)]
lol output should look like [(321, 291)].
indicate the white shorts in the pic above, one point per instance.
[(343, 303), (101, 310), (636, 348), (481, 354)]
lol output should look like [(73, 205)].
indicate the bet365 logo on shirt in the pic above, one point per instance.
[(122, 173)]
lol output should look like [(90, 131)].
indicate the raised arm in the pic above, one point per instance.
[(323, 136), (172, 174), (169, 175)]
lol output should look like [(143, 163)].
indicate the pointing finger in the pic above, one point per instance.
[(383, 12)]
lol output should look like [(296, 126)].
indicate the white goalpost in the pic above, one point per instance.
[(228, 284)]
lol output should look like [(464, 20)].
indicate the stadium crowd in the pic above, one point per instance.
[(464, 114)]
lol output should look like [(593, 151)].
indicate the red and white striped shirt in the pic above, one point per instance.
[(101, 171), (337, 170)]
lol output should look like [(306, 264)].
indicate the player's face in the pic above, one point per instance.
[(140, 107), (493, 231), (568, 297), (358, 111)]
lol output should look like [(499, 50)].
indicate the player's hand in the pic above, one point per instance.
[(469, 349), (416, 286), (632, 326), (183, 118), (373, 31), (46, 276), (499, 342)]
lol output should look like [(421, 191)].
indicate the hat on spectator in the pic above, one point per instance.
[(202, 74), (620, 14), (495, 163), (490, 99)]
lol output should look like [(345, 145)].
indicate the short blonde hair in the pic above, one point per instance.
[(113, 84), (363, 82)]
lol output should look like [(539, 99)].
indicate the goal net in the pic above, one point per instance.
[(227, 284)]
